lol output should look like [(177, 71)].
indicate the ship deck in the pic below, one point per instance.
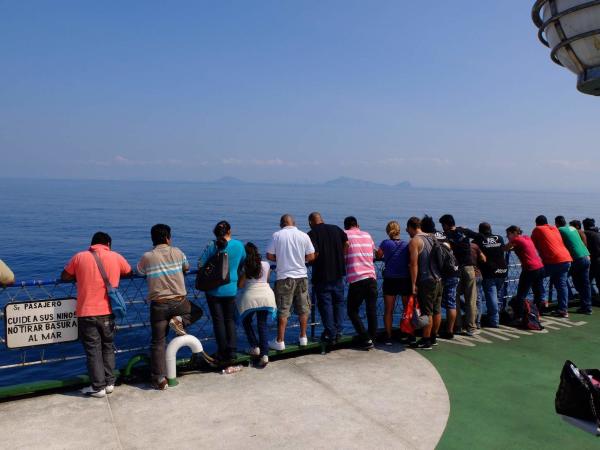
[(495, 390)]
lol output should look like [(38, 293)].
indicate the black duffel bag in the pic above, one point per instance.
[(577, 396), (214, 273)]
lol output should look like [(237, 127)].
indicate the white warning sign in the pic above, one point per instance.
[(40, 322)]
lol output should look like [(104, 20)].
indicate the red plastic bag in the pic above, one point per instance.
[(406, 324)]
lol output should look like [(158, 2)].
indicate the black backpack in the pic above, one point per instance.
[(442, 261), (214, 273)]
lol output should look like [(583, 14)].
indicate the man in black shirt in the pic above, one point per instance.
[(461, 246), (450, 285), (493, 270), (328, 270), (592, 236)]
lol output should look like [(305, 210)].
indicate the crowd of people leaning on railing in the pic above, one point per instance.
[(437, 267)]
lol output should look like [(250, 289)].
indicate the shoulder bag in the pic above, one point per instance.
[(117, 302), (214, 273)]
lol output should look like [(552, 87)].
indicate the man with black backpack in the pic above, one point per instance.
[(425, 278), (450, 278), (461, 246)]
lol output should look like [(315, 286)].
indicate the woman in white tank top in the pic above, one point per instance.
[(257, 300)]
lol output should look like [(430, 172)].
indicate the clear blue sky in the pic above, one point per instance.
[(445, 93)]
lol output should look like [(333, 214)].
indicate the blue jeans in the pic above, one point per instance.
[(263, 337), (479, 282), (581, 279), (449, 292), (492, 290), (558, 274), (330, 301)]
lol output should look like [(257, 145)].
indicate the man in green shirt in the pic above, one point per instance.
[(581, 263)]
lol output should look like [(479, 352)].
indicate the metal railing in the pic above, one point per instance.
[(133, 332)]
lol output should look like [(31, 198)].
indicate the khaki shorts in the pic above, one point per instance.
[(429, 295), (292, 291)]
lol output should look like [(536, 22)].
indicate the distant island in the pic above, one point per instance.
[(338, 182), (355, 182)]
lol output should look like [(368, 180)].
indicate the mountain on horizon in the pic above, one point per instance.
[(228, 180), (356, 182), (337, 182)]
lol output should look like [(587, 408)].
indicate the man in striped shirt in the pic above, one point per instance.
[(362, 281), (164, 267)]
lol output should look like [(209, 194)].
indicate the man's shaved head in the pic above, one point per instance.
[(287, 220), (314, 218)]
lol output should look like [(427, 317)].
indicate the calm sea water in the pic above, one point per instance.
[(43, 223)]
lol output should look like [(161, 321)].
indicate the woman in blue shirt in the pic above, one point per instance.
[(396, 277), (221, 301)]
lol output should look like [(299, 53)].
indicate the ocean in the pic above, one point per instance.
[(44, 222)]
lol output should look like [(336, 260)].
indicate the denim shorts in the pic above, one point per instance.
[(449, 292)]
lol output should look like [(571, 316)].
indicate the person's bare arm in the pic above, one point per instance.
[(508, 246), (241, 281), (414, 250), (378, 254), (310, 257), (271, 257), (66, 276), (482, 258)]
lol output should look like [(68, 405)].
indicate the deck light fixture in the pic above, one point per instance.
[(571, 28)]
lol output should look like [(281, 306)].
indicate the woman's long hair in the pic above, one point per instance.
[(221, 230), (252, 265)]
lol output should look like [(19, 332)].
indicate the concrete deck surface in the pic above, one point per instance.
[(384, 398)]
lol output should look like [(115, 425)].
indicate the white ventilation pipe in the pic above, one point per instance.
[(186, 340)]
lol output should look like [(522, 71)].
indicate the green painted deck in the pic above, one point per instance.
[(502, 393)]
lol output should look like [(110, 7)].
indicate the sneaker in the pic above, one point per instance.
[(253, 351), (422, 344), (446, 335), (160, 385), (90, 391), (433, 341), (275, 345), (560, 314), (388, 342), (303, 341), (177, 326), (110, 388), (264, 360), (468, 333), (587, 312), (204, 358), (367, 345)]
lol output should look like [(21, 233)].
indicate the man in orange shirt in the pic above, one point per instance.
[(556, 258), (95, 321)]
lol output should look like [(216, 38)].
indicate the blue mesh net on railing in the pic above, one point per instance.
[(62, 360)]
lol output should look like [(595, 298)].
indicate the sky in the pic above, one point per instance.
[(441, 94)]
